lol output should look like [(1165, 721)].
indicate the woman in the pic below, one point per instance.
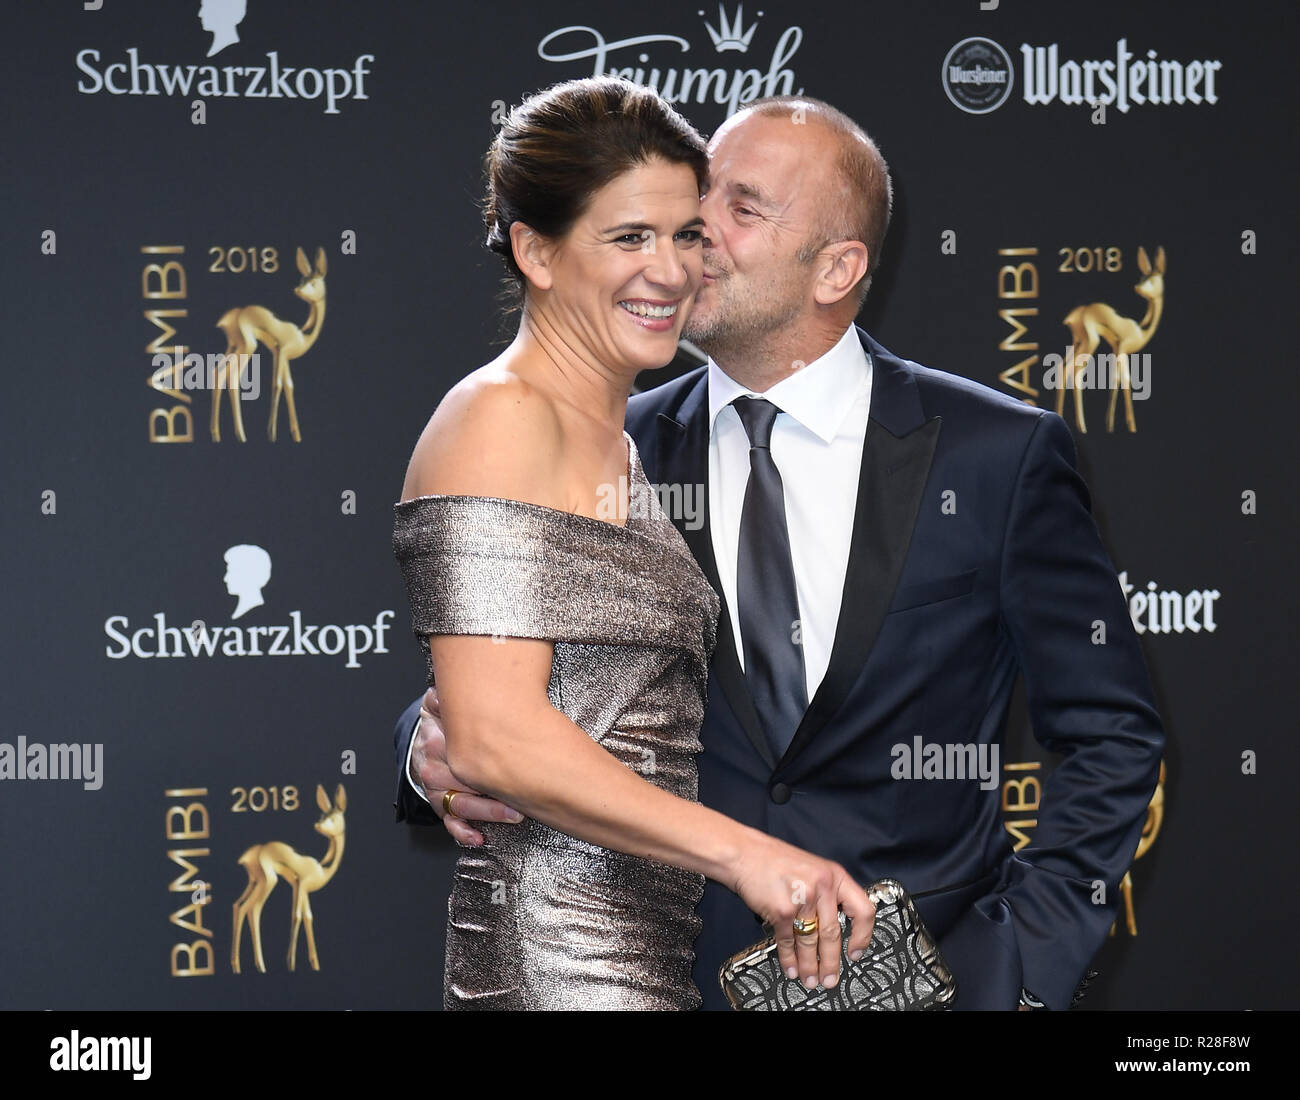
[(568, 625)]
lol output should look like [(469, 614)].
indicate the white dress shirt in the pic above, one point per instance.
[(817, 449)]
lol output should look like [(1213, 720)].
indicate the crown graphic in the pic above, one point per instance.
[(732, 35)]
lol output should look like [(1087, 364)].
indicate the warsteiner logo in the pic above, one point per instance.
[(978, 75)]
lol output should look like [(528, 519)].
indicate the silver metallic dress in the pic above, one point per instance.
[(538, 919)]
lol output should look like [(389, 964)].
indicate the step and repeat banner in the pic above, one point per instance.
[(206, 636)]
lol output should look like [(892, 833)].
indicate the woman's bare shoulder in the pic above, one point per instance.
[(493, 434)]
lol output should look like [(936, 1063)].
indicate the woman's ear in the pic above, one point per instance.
[(532, 253)]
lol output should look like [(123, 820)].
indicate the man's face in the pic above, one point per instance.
[(766, 178)]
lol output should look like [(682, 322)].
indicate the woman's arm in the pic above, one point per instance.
[(506, 739)]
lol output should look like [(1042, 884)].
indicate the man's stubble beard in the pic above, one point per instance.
[(742, 324)]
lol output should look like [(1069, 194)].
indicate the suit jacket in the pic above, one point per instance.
[(974, 561)]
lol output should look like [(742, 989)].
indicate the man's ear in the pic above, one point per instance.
[(533, 254), (844, 263)]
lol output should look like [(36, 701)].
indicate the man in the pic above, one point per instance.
[(893, 546)]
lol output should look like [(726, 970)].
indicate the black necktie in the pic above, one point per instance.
[(766, 599)]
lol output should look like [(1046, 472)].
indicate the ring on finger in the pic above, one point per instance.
[(805, 927), (446, 802)]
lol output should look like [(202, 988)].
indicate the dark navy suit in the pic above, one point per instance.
[(974, 560)]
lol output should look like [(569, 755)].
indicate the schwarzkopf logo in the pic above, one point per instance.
[(221, 18), (977, 75), (248, 571)]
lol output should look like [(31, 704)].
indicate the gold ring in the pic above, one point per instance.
[(805, 927), (446, 802)]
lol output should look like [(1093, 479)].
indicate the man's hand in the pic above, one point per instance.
[(429, 771)]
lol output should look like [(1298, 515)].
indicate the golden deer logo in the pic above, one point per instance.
[(1091, 324), (266, 864), (248, 326), (1150, 829)]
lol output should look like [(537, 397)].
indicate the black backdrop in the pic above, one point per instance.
[(109, 524)]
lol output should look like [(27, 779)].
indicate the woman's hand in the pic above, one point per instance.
[(782, 884)]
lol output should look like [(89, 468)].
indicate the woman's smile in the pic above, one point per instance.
[(655, 314)]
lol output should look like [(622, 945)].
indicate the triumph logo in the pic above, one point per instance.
[(248, 572), (730, 88), (732, 36)]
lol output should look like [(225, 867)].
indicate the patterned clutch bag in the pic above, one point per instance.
[(900, 972)]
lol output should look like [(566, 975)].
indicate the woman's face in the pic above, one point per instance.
[(625, 276)]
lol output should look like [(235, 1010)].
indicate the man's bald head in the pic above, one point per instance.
[(858, 198)]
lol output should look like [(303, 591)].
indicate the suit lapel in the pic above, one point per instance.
[(683, 459), (896, 456)]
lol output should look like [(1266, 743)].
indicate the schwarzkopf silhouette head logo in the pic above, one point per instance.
[(220, 18), (248, 571)]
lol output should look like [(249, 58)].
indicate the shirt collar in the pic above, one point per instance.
[(819, 396)]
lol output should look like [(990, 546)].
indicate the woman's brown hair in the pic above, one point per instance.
[(563, 144)]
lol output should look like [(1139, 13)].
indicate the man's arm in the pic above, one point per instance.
[(421, 750), (411, 806), (1090, 700)]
